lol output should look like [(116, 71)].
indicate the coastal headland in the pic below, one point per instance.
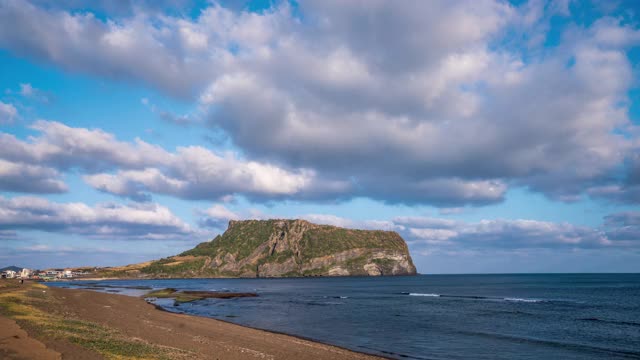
[(281, 248), (38, 322)]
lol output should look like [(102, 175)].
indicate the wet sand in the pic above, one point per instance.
[(207, 338)]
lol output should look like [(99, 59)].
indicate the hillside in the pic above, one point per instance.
[(283, 248), (12, 268)]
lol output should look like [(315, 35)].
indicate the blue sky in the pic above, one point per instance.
[(493, 136)]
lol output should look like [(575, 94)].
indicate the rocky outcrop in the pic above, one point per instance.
[(281, 248)]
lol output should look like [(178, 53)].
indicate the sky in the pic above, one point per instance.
[(494, 136)]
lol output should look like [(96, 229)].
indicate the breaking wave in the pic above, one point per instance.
[(475, 297)]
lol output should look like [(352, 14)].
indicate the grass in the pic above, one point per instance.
[(31, 308), (245, 239), (240, 240), (171, 267), (327, 240)]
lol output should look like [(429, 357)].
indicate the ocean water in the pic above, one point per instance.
[(533, 316)]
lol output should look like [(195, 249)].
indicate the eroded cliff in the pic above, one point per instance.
[(281, 248)]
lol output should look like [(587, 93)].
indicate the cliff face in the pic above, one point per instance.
[(278, 248)]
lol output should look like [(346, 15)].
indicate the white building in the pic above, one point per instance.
[(26, 273), (11, 274), (68, 274)]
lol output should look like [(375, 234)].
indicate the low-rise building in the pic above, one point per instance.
[(26, 273), (10, 274)]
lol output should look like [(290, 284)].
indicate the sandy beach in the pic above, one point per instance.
[(30, 328)]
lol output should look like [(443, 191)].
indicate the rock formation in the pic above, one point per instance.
[(286, 248)]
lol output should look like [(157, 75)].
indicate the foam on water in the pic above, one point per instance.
[(522, 300), (428, 295)]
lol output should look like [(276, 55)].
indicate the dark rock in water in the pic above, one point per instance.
[(188, 296), (217, 295)]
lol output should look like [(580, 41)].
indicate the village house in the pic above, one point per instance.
[(53, 273), (26, 273)]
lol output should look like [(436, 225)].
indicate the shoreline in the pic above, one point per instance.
[(275, 332), (229, 277), (197, 337)]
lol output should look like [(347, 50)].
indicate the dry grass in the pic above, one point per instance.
[(31, 307), (130, 267)]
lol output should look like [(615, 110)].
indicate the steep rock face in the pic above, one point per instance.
[(277, 248)]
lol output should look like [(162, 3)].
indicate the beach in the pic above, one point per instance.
[(46, 317)]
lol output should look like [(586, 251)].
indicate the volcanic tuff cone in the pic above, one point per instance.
[(281, 248)]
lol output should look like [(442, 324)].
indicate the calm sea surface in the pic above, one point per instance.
[(560, 316)]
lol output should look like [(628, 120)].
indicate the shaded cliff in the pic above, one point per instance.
[(282, 248)]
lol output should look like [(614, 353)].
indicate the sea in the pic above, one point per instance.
[(507, 316)]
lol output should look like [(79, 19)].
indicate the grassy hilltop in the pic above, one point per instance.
[(281, 248)]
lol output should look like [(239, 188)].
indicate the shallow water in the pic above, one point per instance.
[(569, 316)]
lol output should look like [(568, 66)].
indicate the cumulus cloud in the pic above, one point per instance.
[(373, 97), (19, 177), (197, 173), (509, 234), (8, 113), (171, 53), (102, 221), (624, 226), (461, 113), (141, 168), (626, 191), (64, 147), (427, 234), (217, 217), (70, 40)]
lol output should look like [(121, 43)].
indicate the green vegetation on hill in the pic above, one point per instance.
[(327, 240), (273, 248), (241, 240)]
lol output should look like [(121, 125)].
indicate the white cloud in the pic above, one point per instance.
[(102, 221), (217, 217), (26, 90), (30, 92), (504, 234), (141, 168), (65, 147), (8, 113), (624, 227), (197, 173), (373, 97), (19, 177)]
